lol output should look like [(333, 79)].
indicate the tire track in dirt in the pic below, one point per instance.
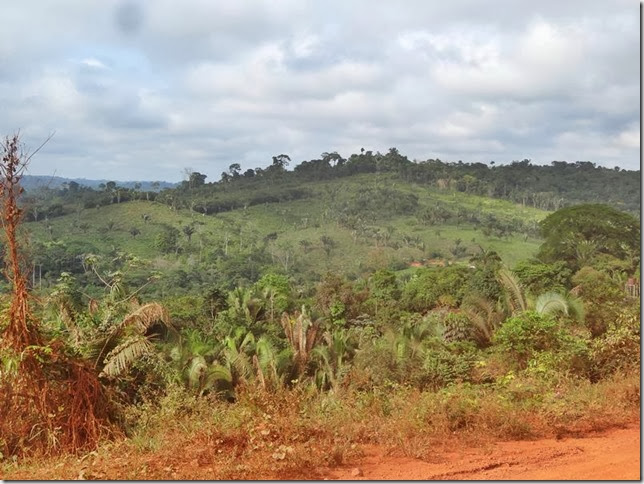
[(611, 455)]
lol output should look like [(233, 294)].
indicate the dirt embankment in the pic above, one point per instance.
[(612, 455)]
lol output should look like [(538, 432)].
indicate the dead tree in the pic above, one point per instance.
[(50, 402)]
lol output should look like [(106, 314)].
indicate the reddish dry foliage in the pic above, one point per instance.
[(52, 402), (21, 332)]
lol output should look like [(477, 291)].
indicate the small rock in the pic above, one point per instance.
[(356, 472), (279, 455)]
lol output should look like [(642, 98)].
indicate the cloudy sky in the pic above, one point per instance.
[(144, 89)]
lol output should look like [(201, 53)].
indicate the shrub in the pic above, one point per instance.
[(453, 364), (618, 348), (423, 292), (521, 338), (602, 298), (457, 327)]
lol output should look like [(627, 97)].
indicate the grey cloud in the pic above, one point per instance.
[(204, 84)]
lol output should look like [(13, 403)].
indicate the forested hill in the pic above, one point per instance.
[(547, 187)]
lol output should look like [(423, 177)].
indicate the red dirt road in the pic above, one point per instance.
[(612, 455)]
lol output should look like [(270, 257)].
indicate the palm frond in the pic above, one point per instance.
[(239, 364), (302, 335), (513, 290), (551, 303), (216, 374), (219, 372), (312, 337), (576, 308), (176, 353), (247, 342), (140, 320), (118, 360), (484, 316), (196, 371), (265, 362), (259, 372), (144, 317)]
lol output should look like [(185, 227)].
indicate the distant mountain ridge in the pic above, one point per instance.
[(30, 182)]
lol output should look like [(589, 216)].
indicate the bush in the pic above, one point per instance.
[(423, 292), (602, 298), (539, 277), (453, 364), (188, 311), (530, 335), (618, 348)]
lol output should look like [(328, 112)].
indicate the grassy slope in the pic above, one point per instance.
[(294, 221)]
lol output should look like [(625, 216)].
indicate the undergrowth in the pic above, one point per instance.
[(276, 435)]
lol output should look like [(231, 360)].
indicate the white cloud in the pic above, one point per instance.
[(93, 63), (543, 61), (217, 82), (629, 138)]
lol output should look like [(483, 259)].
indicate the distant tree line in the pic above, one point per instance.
[(547, 187)]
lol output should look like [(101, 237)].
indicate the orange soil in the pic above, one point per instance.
[(609, 455), (612, 455)]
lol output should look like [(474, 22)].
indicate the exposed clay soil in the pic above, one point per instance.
[(609, 455), (612, 455)]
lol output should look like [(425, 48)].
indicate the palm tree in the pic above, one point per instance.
[(243, 306), (301, 333), (127, 341), (486, 317), (236, 355), (271, 367), (332, 358), (192, 357), (411, 341)]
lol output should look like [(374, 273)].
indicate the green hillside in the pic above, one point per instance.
[(350, 226)]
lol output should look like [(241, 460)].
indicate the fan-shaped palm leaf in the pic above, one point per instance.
[(551, 303), (216, 375), (554, 303)]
